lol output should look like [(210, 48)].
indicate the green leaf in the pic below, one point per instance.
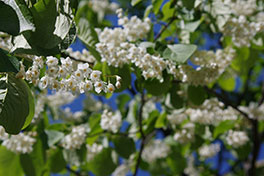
[(156, 5), (53, 136), (9, 163), (27, 165), (102, 164), (8, 63), (56, 161), (155, 87), (161, 121), (31, 113), (125, 75), (196, 94), (227, 82), (14, 105), (124, 146), (52, 28), (148, 10), (8, 19), (25, 20), (176, 100), (86, 32), (122, 100), (176, 161), (135, 2), (179, 52), (223, 127)]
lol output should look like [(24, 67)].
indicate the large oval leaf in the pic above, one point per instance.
[(14, 103)]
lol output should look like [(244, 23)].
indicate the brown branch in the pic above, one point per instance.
[(227, 102), (73, 171), (256, 147), (140, 119), (75, 59), (166, 26)]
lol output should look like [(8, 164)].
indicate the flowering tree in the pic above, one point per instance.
[(204, 102)]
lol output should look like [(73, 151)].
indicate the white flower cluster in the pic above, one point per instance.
[(54, 101), (75, 139), (93, 149), (176, 118), (211, 112), (110, 121), (156, 149), (243, 7), (186, 134), (121, 170), (69, 116), (69, 76), (241, 30), (85, 55), (116, 51), (21, 143), (208, 151), (210, 66), (191, 169), (254, 111), (236, 138), (101, 6)]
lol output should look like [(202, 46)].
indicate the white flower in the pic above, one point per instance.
[(95, 75), (44, 82), (52, 61), (78, 75), (99, 86), (208, 151), (110, 88), (110, 121), (20, 143), (236, 138), (3, 134), (156, 149), (118, 85), (75, 139)]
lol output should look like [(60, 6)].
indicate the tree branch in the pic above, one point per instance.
[(69, 169), (140, 118), (166, 26)]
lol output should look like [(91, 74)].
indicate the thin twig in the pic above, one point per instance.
[(73, 171), (166, 26), (140, 118), (256, 147), (227, 102)]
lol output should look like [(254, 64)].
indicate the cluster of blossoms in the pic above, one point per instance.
[(68, 115), (116, 50), (186, 134), (210, 65), (69, 76), (211, 112), (241, 30), (93, 149), (156, 149), (85, 55), (125, 167), (102, 6), (54, 101), (21, 143), (176, 118), (254, 111), (75, 139), (110, 121), (191, 169), (236, 138), (208, 151)]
